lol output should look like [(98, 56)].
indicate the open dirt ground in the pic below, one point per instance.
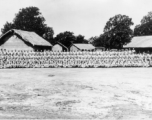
[(95, 93)]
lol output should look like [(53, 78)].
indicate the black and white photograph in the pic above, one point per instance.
[(76, 59)]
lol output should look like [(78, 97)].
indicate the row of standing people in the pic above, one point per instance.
[(49, 59)]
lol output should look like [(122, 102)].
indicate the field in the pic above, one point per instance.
[(74, 93)]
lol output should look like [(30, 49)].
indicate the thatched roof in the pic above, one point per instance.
[(140, 42), (84, 46), (30, 37)]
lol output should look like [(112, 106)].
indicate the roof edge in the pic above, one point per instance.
[(62, 45), (9, 31), (75, 46)]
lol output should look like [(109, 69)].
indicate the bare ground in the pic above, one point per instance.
[(74, 93)]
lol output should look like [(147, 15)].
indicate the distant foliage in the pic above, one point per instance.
[(98, 41), (48, 35), (147, 18), (117, 31), (145, 28), (80, 39), (67, 38), (29, 19), (7, 27)]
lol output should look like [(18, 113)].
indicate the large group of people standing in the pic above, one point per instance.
[(80, 59)]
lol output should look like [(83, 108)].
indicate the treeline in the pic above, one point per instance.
[(117, 31)]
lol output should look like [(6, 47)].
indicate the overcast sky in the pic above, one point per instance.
[(86, 17)]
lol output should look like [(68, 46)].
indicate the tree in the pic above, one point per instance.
[(117, 31), (145, 28), (28, 19), (142, 30), (98, 41), (92, 39), (80, 39), (48, 35), (146, 18), (7, 27), (66, 38)]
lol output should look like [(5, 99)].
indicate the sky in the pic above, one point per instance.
[(85, 17)]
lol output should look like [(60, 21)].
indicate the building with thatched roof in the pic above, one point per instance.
[(59, 47), (140, 44), (23, 40), (82, 47)]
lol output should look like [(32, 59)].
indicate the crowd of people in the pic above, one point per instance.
[(80, 59)]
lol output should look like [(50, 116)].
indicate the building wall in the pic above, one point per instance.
[(73, 48), (57, 48), (14, 43), (141, 50)]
